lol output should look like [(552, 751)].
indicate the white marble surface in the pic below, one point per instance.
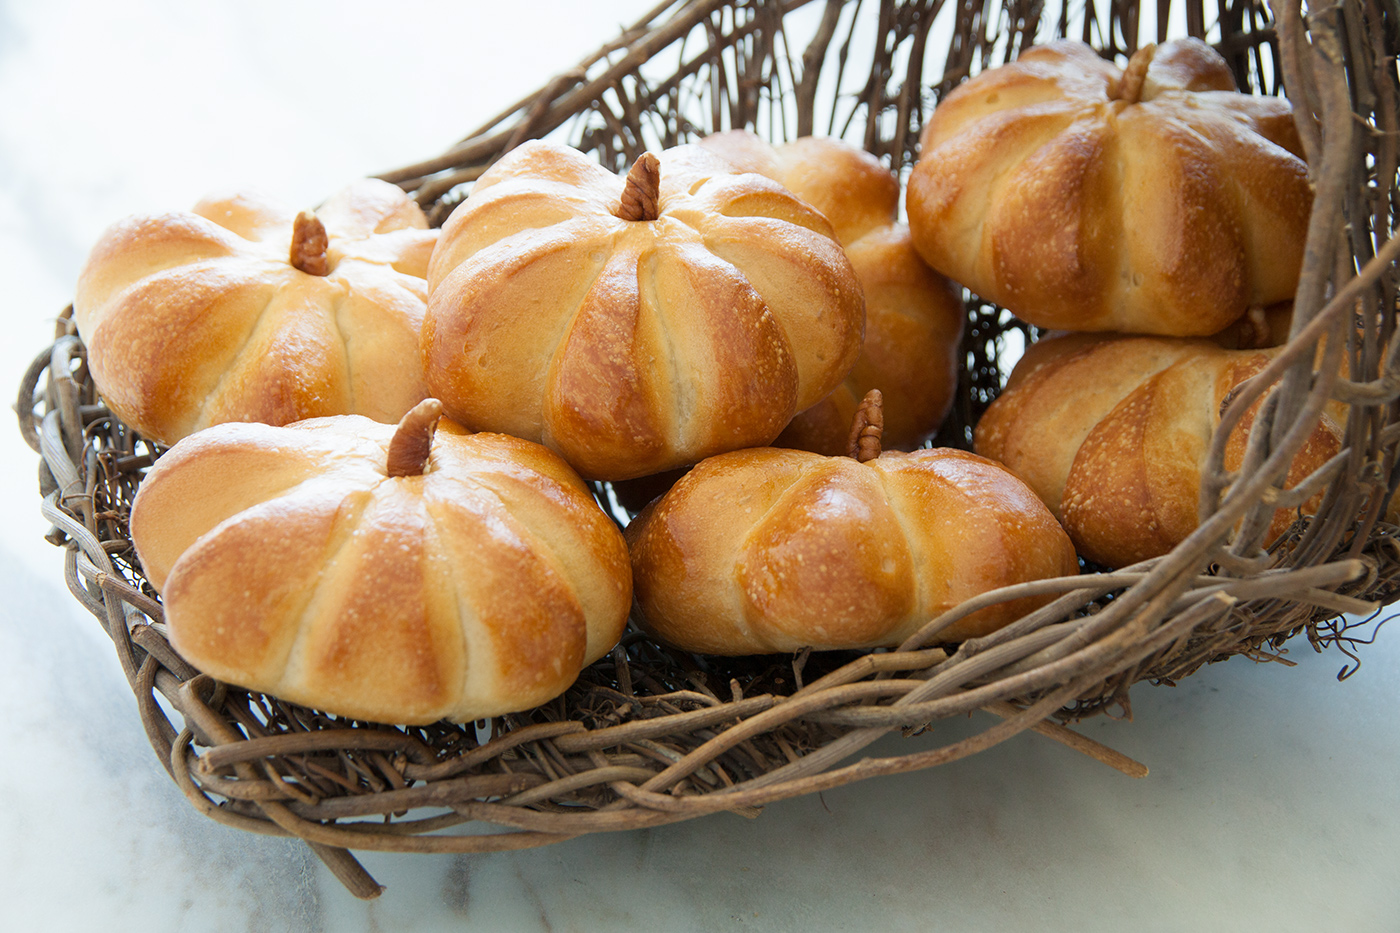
[(1272, 803)]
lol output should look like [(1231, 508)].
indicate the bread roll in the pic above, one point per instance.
[(302, 562), (1112, 433), (239, 311), (1152, 200), (770, 550), (699, 316)]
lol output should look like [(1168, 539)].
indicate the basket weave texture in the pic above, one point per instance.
[(649, 735)]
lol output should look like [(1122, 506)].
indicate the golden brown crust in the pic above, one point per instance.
[(1133, 489), (1060, 390), (197, 318), (1169, 214), (772, 550), (290, 562), (635, 346), (1320, 446), (913, 315), (982, 527), (1112, 433)]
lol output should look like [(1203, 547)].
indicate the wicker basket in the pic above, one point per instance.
[(650, 736)]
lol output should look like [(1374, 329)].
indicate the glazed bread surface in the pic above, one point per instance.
[(1112, 433), (1155, 199), (290, 562), (632, 346), (772, 550), (194, 318), (913, 315)]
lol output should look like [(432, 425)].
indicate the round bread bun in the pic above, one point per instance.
[(242, 310), (636, 324), (308, 562), (773, 550), (1112, 432), (1154, 199)]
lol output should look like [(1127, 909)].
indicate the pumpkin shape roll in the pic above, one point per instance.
[(636, 325), (1156, 199), (1112, 433), (913, 315), (391, 574), (772, 550), (241, 310)]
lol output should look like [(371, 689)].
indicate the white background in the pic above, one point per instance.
[(1272, 799)]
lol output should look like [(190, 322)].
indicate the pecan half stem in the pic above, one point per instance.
[(1130, 87), (642, 195), (413, 439), (309, 244), (867, 427)]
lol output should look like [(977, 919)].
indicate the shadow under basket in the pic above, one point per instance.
[(649, 735)]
